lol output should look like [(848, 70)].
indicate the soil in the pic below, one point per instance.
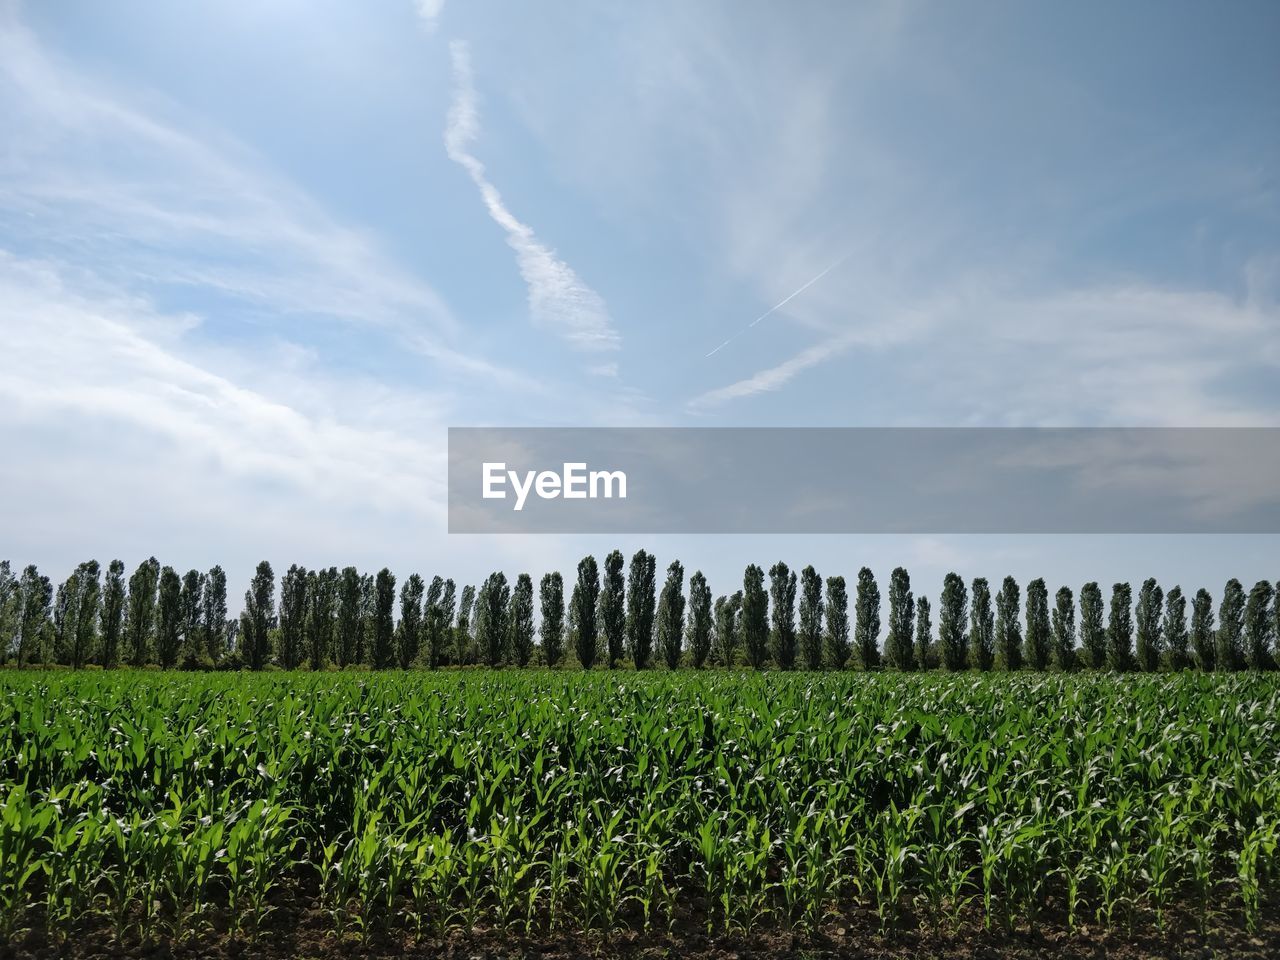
[(309, 934)]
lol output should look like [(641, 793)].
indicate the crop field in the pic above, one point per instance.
[(418, 808)]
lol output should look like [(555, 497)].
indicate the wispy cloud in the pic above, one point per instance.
[(429, 12), (558, 299)]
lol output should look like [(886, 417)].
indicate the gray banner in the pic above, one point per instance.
[(864, 480)]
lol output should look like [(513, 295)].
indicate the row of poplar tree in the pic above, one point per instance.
[(343, 618)]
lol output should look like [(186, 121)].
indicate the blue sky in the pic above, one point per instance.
[(255, 258)]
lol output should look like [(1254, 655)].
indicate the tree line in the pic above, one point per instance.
[(620, 616)]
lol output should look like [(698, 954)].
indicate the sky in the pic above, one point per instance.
[(256, 258)]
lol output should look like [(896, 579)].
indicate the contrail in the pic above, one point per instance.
[(777, 306)]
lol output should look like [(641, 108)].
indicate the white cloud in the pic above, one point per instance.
[(558, 298), (429, 11)]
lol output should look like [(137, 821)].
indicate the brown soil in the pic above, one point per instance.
[(309, 934)]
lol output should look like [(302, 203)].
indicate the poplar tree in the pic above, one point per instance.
[(982, 635), (111, 621), (215, 613), (837, 635), (1147, 619), (727, 627), (466, 621), (1120, 628), (1258, 626), (37, 595), (322, 598), (951, 622), (899, 644), (1037, 624), (1175, 629), (585, 597), (10, 601), (348, 624), (293, 616), (782, 596), (755, 617), (365, 643), (926, 655), (492, 601), (700, 622), (64, 619), (259, 607), (1093, 631), (866, 624), (409, 632), (194, 646), (671, 615), (88, 609), (1064, 629), (641, 607), (522, 620), (1203, 636), (383, 653), (169, 618), (811, 618), (1230, 655), (613, 614), (1008, 633), (437, 617), (141, 616), (551, 599)]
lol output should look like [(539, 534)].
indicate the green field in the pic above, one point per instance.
[(165, 806)]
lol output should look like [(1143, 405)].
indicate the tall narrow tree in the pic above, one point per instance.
[(1203, 635), (899, 645), (1038, 624), (88, 609), (982, 629), (671, 615), (169, 618), (383, 653), (1064, 630), (64, 620), (926, 654), (585, 597), (700, 623), (612, 613), (348, 624), (641, 607), (1008, 633), (837, 634), (1175, 629), (215, 614), (140, 620), (521, 618), (322, 599), (293, 617), (1230, 652), (811, 618), (866, 623), (952, 607), (1093, 631), (463, 632), (755, 617), (551, 599), (782, 606), (111, 622), (1147, 621), (1120, 629), (365, 643), (10, 602), (728, 610), (259, 608), (409, 631), (37, 596), (1258, 626), (194, 647)]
